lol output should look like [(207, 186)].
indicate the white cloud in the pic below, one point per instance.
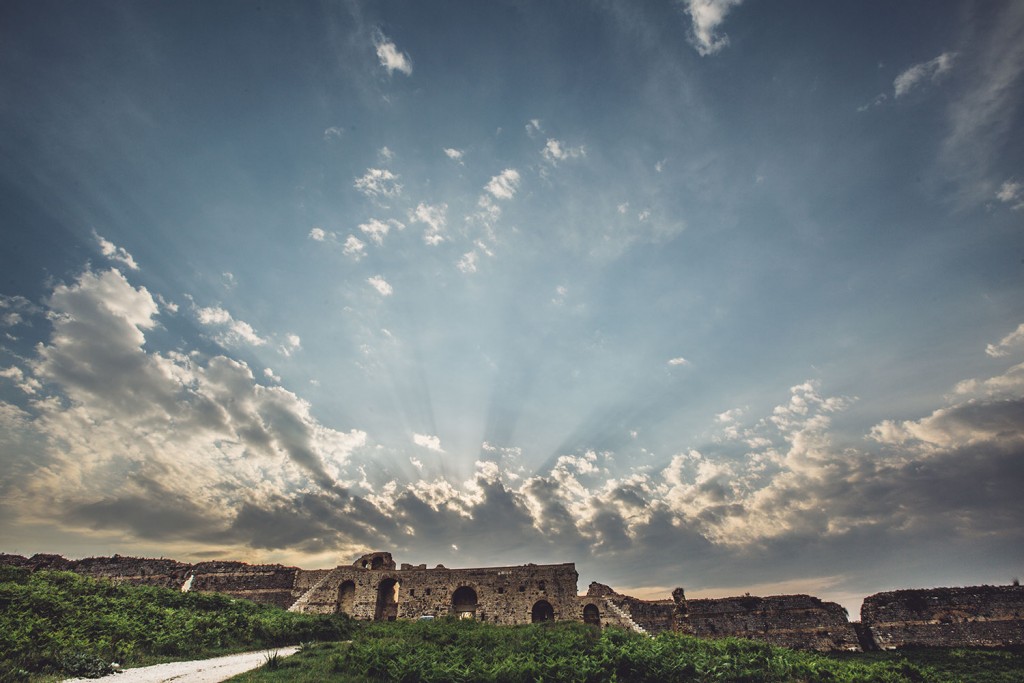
[(678, 361), (354, 247), (533, 127), (378, 182), (454, 154), (378, 229), (317, 234), (231, 332), (269, 374), (623, 207), (1007, 344), (229, 280), (390, 58), (643, 215), (428, 441), (555, 151), (1012, 192), (706, 17), (114, 252), (333, 133), (292, 343), (435, 217), (467, 264), (925, 71), (385, 153), (27, 383), (504, 185), (380, 284), (660, 166)]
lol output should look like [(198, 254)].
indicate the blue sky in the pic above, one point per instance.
[(724, 294)]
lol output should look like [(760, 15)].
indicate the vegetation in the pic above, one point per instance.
[(63, 623), (447, 651), (60, 623)]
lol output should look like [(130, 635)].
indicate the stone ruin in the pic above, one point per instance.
[(375, 588)]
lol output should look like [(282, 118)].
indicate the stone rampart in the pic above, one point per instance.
[(989, 616), (801, 622), (375, 588)]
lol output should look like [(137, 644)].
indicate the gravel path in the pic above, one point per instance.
[(201, 671)]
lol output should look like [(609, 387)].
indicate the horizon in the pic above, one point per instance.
[(708, 293)]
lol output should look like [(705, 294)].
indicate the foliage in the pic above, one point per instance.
[(60, 622), (458, 651)]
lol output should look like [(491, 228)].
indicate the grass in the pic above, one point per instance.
[(456, 651), (60, 623)]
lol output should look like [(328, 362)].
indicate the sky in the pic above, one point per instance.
[(720, 294)]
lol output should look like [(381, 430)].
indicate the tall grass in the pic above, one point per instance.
[(60, 622), (456, 651)]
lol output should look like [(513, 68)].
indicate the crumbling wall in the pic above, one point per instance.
[(801, 622), (499, 595), (984, 616)]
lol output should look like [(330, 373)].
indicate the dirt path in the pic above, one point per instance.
[(200, 671)]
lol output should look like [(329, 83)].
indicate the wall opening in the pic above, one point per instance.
[(464, 603), (542, 611), (347, 597), (387, 601), (592, 615)]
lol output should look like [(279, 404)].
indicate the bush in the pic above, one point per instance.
[(63, 623)]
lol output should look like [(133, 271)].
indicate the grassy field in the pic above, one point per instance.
[(63, 623), (55, 624), (462, 651)]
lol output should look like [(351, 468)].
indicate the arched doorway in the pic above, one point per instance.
[(464, 603), (542, 611), (387, 601), (592, 615), (347, 597)]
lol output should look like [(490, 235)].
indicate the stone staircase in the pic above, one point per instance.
[(300, 604), (624, 616)]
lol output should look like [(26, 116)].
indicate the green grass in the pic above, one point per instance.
[(448, 651), (66, 624), (955, 665)]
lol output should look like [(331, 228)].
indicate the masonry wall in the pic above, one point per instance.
[(989, 616), (503, 595), (801, 622)]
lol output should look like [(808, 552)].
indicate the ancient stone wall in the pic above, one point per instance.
[(373, 587), (989, 616), (801, 622), (500, 595)]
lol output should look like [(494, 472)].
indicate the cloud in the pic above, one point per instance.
[(504, 185), (533, 127), (678, 361), (390, 58), (114, 252), (454, 154), (706, 17), (380, 284), (13, 310), (1012, 192), (292, 343), (925, 71), (230, 332), (428, 441), (354, 247), (378, 229), (333, 133), (468, 263), (28, 384), (1007, 344), (555, 151), (435, 217), (378, 182), (317, 234)]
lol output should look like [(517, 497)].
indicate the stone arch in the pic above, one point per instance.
[(464, 602), (592, 615), (347, 597), (387, 600), (542, 611)]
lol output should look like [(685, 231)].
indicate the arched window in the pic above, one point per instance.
[(592, 615), (464, 603), (387, 600), (347, 597), (542, 611)]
